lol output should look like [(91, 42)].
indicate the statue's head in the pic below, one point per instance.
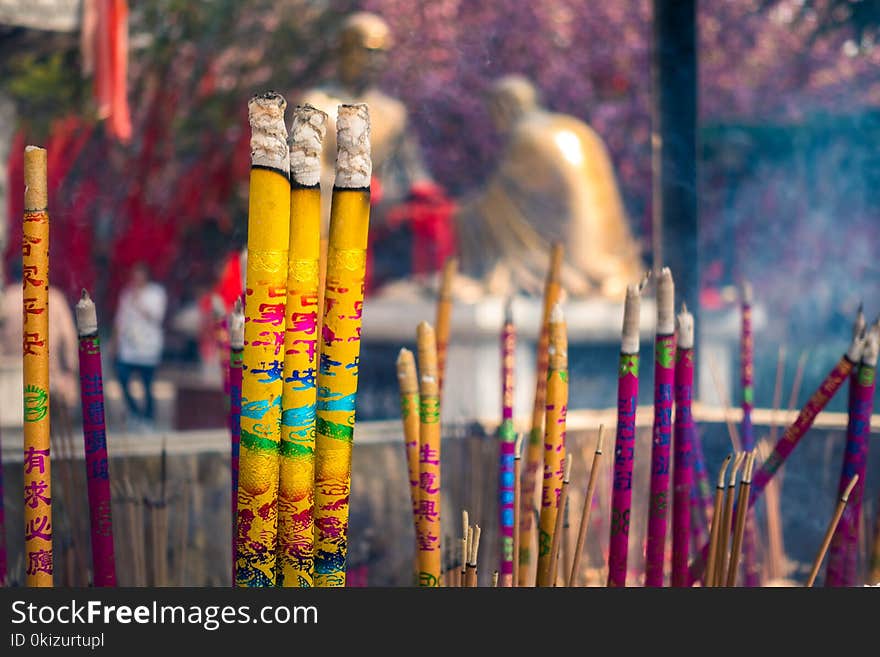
[(364, 41), (510, 97)]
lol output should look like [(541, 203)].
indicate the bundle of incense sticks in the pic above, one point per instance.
[(624, 447), (296, 494), (683, 449), (742, 512), (39, 566), (747, 433), (507, 436), (843, 555), (429, 554), (664, 379), (554, 443), (727, 521), (236, 352), (709, 576), (95, 442), (444, 317), (407, 379), (535, 449), (340, 342)]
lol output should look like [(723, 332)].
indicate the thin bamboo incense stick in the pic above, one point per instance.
[(340, 346), (741, 515), (517, 487), (557, 529), (727, 522), (709, 577), (236, 361), (565, 545), (95, 443), (843, 554), (429, 459), (625, 442), (535, 448), (507, 436), (664, 380), (261, 389), (495, 579), (296, 494), (554, 444), (588, 506), (407, 379), (832, 526), (683, 449), (444, 317), (35, 358)]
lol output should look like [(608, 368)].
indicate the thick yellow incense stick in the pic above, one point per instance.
[(268, 237), (726, 521), (409, 412), (742, 510), (709, 577), (444, 316), (588, 505), (296, 496), (829, 533), (35, 357), (429, 459), (341, 342), (557, 529), (535, 450), (517, 486), (554, 442)]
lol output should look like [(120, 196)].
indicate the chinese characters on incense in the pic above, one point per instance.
[(296, 494), (340, 342), (35, 356), (95, 441), (261, 390), (428, 534), (624, 448), (409, 412), (664, 379)]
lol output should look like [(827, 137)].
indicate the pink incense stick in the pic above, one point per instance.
[(843, 552), (236, 361), (683, 473), (793, 434), (747, 358), (664, 380), (95, 439), (508, 446), (625, 442)]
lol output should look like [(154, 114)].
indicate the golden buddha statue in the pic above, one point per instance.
[(554, 182)]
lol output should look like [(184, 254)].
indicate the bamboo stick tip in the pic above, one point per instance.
[(465, 522), (849, 488), (475, 549), (723, 470), (601, 439), (566, 477), (306, 144), (517, 448), (268, 132), (86, 316), (354, 164)]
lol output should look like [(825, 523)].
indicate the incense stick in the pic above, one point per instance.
[(407, 379), (554, 443), (664, 380), (444, 315), (709, 576), (683, 449), (535, 449), (832, 526), (552, 569), (507, 436), (296, 494), (341, 344), (624, 448), (95, 443), (473, 551), (727, 522), (261, 390), (588, 506), (35, 359), (429, 459), (517, 487), (741, 515)]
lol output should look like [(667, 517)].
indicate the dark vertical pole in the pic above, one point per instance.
[(675, 228)]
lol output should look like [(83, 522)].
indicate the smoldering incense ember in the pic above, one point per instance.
[(624, 448), (664, 380), (296, 494), (507, 436), (684, 427)]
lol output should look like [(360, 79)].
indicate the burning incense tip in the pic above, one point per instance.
[(465, 523), (684, 322), (475, 546), (854, 353), (517, 449), (723, 470), (86, 316), (306, 140), (354, 165), (849, 488), (630, 336), (35, 178), (406, 372), (236, 326), (665, 303), (268, 132)]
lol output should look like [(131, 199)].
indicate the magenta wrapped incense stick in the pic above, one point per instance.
[(236, 360), (664, 380), (683, 474), (507, 449), (625, 442), (843, 551), (95, 439), (747, 432)]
